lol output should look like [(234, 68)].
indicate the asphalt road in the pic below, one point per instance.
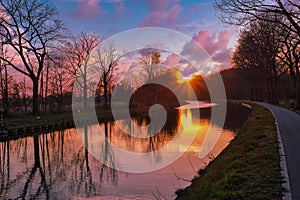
[(289, 127)]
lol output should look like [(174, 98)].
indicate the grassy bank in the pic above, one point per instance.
[(13, 122), (249, 168), (16, 122)]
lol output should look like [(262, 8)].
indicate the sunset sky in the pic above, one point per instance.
[(194, 18)]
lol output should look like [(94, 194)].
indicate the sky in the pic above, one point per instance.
[(196, 19)]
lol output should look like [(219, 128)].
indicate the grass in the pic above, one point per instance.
[(13, 122), (29, 120), (249, 168), (290, 107)]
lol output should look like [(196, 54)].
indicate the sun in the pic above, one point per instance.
[(180, 78)]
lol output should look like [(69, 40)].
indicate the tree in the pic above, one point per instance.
[(6, 83), (289, 59), (3, 74), (257, 50), (284, 14), (60, 79), (4, 86), (78, 52), (23, 90), (151, 64), (107, 59), (30, 29), (241, 12)]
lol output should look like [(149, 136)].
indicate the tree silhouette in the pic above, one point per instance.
[(107, 59), (241, 12), (150, 61), (77, 53), (257, 50), (283, 14), (30, 29)]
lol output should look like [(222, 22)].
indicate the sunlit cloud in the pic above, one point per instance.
[(87, 9), (160, 14), (215, 44), (172, 60)]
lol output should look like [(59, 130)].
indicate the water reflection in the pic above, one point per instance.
[(143, 138), (56, 165)]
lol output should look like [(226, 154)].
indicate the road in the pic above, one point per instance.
[(288, 123)]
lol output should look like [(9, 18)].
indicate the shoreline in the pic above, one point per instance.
[(248, 168), (62, 122)]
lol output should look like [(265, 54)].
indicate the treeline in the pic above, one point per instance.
[(43, 65), (268, 48), (47, 59), (40, 60), (251, 84)]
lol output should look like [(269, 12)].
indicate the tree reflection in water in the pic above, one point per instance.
[(57, 165), (49, 165)]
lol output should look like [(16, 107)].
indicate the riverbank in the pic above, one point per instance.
[(26, 125), (249, 168)]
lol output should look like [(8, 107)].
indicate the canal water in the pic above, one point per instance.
[(56, 165)]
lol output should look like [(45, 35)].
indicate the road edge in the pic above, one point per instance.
[(284, 172)]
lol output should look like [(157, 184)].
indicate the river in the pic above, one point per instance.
[(56, 165)]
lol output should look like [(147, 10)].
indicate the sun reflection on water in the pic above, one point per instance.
[(67, 159)]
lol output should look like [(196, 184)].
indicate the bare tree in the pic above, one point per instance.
[(3, 74), (23, 95), (6, 83), (289, 59), (30, 29), (77, 53), (151, 64), (257, 50), (241, 12), (284, 14), (107, 59), (4, 87), (60, 79)]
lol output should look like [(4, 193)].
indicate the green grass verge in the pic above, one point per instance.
[(29, 120), (13, 122), (249, 168)]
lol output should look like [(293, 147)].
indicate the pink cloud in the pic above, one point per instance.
[(223, 55), (87, 9), (215, 44), (223, 58), (160, 14), (212, 43), (172, 60), (157, 5)]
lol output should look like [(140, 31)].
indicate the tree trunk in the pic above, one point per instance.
[(25, 97), (85, 93), (297, 102), (6, 91), (105, 85), (275, 92), (42, 94), (105, 96), (46, 89), (35, 96), (60, 96)]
